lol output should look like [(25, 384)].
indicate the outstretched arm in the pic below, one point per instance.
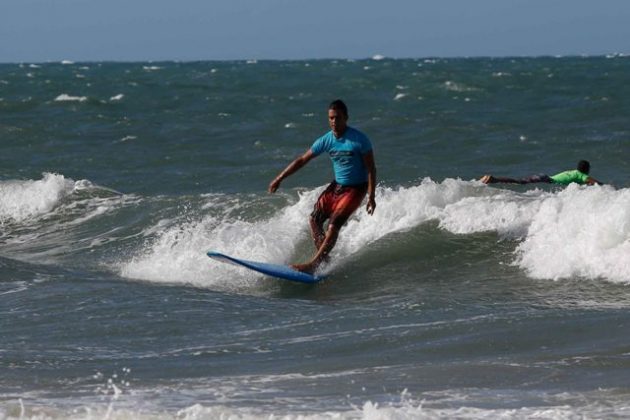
[(293, 167), (592, 181), (368, 159)]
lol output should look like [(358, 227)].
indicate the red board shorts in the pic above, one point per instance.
[(338, 202)]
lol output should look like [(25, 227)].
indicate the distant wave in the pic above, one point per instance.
[(67, 98)]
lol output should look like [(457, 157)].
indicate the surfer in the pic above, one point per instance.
[(355, 176), (579, 176)]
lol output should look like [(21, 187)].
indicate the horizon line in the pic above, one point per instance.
[(375, 57)]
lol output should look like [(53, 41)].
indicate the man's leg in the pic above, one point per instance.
[(535, 179), (317, 230), (490, 179), (321, 212), (328, 243), (345, 202)]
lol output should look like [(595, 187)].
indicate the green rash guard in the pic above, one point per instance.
[(567, 177)]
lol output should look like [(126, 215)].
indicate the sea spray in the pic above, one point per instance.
[(22, 200), (177, 254), (580, 231), (587, 228)]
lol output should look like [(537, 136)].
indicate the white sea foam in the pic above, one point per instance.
[(64, 97), (116, 97), (118, 403), (575, 232), (401, 209), (178, 253), (458, 87), (580, 232), (571, 233), (407, 410), (127, 138), (399, 96), (22, 200)]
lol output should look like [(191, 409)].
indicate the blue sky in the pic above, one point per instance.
[(135, 30)]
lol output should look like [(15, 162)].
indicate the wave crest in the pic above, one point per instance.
[(23, 200), (575, 232)]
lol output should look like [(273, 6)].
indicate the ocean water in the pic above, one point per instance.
[(454, 300)]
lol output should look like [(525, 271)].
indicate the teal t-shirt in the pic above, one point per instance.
[(567, 177), (346, 154)]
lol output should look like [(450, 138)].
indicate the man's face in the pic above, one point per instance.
[(337, 121)]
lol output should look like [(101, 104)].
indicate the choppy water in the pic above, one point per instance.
[(455, 300)]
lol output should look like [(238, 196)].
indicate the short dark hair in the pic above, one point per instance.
[(338, 106), (583, 166)]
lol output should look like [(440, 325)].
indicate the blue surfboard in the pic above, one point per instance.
[(273, 270)]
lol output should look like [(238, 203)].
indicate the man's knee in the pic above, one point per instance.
[(317, 218), (337, 221), (333, 229)]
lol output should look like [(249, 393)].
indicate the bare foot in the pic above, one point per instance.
[(305, 268)]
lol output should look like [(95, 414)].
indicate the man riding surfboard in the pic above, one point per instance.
[(355, 176)]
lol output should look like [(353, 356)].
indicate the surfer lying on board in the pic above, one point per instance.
[(579, 176), (355, 175)]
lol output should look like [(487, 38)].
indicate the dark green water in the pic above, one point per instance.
[(454, 300)]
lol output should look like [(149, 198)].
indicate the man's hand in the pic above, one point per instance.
[(273, 186), (371, 206)]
